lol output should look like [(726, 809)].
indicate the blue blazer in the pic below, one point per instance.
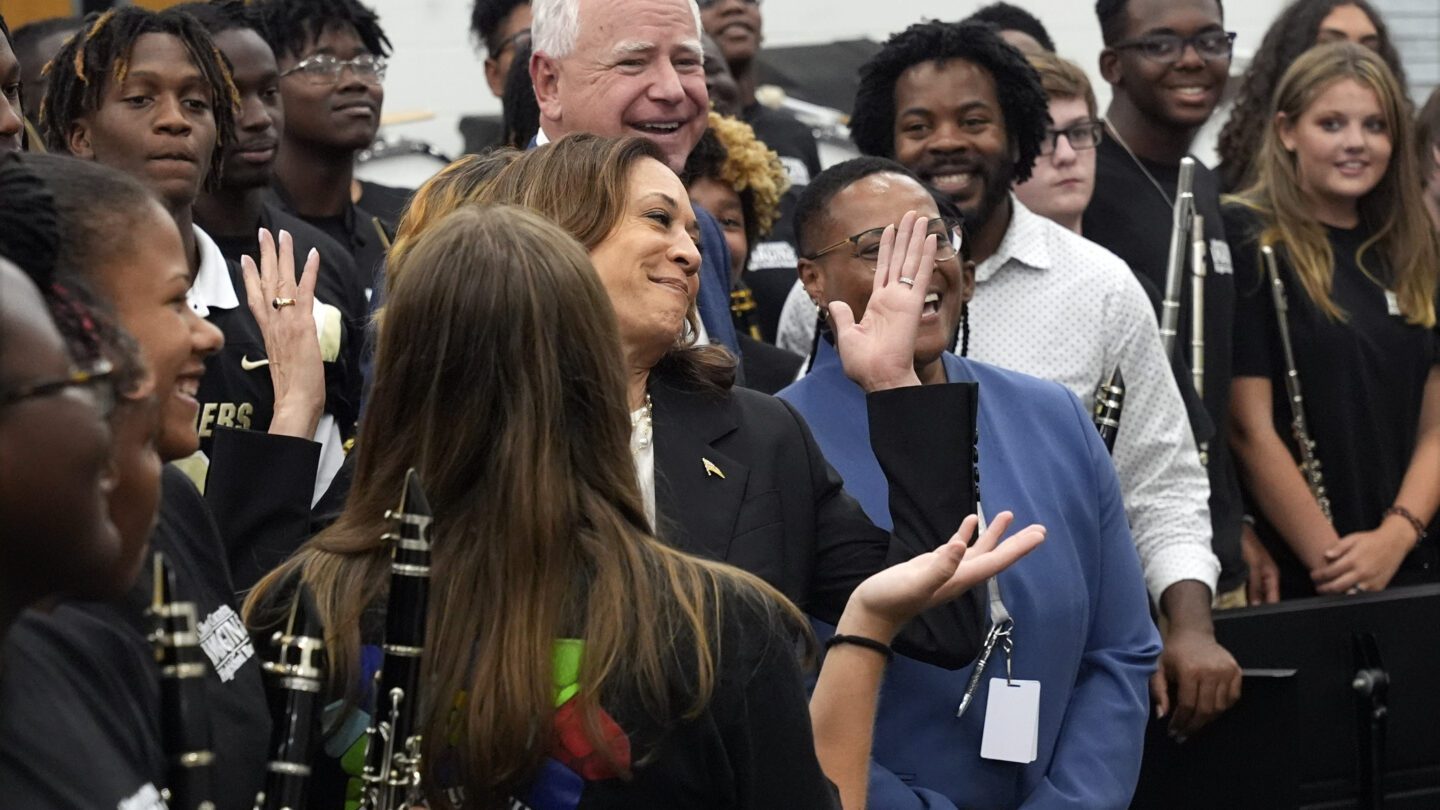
[(1082, 619)]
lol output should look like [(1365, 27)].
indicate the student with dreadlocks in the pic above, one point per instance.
[(331, 55), (741, 181), (12, 120), (239, 205), (163, 114)]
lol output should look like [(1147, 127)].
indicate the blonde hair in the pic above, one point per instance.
[(751, 166), (1063, 79), (1402, 234)]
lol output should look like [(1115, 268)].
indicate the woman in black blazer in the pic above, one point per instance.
[(729, 473)]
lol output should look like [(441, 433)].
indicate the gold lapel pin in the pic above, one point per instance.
[(711, 469)]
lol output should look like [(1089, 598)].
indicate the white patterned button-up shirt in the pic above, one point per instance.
[(1054, 305)]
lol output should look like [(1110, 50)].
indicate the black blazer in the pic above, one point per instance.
[(739, 478)]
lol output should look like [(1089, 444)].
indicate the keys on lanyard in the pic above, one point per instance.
[(999, 634)]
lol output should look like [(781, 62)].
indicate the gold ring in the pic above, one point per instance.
[(282, 302)]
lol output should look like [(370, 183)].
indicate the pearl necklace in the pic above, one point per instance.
[(642, 425)]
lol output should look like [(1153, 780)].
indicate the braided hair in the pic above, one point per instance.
[(100, 53), (292, 25), (33, 236), (1017, 87), (1294, 32)]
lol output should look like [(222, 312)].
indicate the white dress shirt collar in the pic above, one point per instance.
[(213, 286)]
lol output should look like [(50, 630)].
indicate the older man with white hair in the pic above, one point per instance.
[(633, 67)]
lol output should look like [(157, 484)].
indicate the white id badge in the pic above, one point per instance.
[(1012, 721), (1392, 303)]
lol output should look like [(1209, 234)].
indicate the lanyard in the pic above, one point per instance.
[(1001, 629)]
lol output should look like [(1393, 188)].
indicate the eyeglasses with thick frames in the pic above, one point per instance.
[(865, 245), (322, 68), (1167, 48), (94, 382), (1084, 135)]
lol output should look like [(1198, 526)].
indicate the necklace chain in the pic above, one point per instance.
[(1139, 163)]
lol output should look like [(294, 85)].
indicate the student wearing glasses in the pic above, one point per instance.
[(1063, 180), (331, 55), (503, 27)]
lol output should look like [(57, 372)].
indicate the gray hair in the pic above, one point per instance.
[(555, 26)]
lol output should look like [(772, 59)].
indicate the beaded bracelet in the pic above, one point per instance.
[(861, 641), (1409, 517)]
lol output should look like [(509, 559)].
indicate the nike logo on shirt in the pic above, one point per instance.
[(250, 365)]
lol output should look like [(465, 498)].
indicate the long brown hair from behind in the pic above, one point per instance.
[(582, 183), (499, 378), (1401, 236), (453, 186)]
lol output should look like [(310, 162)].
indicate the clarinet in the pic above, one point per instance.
[(1109, 401), (184, 725), (391, 778), (1175, 263), (1309, 462), (297, 677)]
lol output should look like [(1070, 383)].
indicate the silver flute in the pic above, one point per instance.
[(1180, 228), (1309, 462), (1197, 304)]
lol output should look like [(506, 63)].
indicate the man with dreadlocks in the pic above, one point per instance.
[(331, 55), (967, 113), (148, 93)]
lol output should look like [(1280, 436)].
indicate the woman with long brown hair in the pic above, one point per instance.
[(1337, 198), (728, 473), (498, 378)]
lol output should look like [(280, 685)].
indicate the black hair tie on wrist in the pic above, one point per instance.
[(861, 641)]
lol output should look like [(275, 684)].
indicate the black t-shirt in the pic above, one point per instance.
[(357, 230), (771, 270), (1128, 216), (76, 729), (1362, 380), (338, 283), (750, 748), (80, 697), (236, 390)]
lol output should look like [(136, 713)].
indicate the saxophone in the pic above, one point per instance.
[(1309, 462)]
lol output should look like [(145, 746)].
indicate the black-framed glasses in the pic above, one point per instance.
[(1167, 48), (518, 40), (704, 4), (1084, 135), (322, 68), (94, 382), (865, 245)]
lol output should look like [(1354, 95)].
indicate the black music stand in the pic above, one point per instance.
[(1367, 678)]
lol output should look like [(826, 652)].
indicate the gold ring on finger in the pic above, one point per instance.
[(280, 303)]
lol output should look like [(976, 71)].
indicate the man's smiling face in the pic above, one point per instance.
[(637, 69)]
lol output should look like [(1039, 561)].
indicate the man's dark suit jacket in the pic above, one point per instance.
[(739, 478)]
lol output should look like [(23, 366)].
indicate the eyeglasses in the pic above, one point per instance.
[(322, 68), (865, 245), (1084, 135), (518, 40), (94, 383), (1167, 48), (704, 4)]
